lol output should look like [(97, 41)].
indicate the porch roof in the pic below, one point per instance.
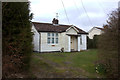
[(73, 34)]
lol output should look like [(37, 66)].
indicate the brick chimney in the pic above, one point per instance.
[(55, 21)]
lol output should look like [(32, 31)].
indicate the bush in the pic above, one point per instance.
[(92, 43), (89, 43), (108, 46), (100, 69), (95, 41)]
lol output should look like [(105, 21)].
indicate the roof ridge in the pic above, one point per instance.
[(48, 27), (98, 27), (50, 23), (41, 23)]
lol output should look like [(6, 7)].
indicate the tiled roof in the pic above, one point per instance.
[(47, 27)]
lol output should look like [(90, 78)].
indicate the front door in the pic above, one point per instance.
[(73, 43)]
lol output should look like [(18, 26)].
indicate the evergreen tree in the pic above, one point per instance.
[(16, 37)]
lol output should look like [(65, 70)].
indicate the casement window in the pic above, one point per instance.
[(52, 38), (48, 38), (56, 38)]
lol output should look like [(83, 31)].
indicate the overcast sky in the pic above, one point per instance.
[(97, 12)]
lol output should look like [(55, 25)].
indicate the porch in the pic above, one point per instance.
[(73, 42)]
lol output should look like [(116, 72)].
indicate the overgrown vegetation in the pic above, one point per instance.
[(92, 43), (108, 46), (16, 38)]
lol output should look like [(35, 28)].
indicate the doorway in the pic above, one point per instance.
[(74, 43)]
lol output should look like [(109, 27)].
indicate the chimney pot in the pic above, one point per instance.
[(55, 21)]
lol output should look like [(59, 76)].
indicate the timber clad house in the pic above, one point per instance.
[(49, 37)]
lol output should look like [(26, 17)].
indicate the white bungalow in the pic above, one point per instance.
[(95, 31), (49, 37)]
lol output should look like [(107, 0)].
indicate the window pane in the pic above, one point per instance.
[(52, 40), (56, 40), (57, 34), (48, 34), (48, 41), (53, 34)]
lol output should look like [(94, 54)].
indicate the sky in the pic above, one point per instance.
[(92, 13)]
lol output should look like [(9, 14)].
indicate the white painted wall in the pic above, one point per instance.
[(93, 32), (69, 45), (35, 39), (84, 42), (71, 31), (78, 43), (63, 41), (45, 47), (68, 39)]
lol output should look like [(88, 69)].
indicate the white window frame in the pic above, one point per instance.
[(53, 36)]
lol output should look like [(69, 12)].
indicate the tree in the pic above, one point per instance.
[(95, 41), (16, 37), (92, 43), (89, 43), (108, 46)]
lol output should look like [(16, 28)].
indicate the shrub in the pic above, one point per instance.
[(100, 69), (108, 46), (92, 43), (89, 43)]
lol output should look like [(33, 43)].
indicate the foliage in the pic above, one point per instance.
[(108, 46), (92, 43), (100, 68), (16, 37), (89, 43), (95, 41)]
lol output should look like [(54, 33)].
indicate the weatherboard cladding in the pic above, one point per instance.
[(47, 27)]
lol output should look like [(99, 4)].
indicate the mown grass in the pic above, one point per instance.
[(77, 64)]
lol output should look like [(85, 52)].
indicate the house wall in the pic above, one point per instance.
[(83, 46), (35, 41), (93, 32), (45, 47), (67, 44), (63, 41), (71, 31), (67, 40)]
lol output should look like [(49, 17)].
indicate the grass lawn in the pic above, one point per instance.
[(64, 65)]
